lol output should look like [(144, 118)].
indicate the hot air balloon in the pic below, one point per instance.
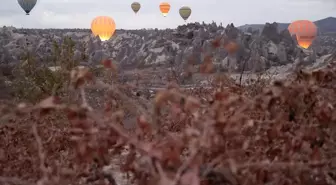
[(27, 5), (185, 12), (305, 32), (135, 7), (94, 29), (104, 27), (164, 8)]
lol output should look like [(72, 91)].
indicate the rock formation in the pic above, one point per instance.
[(152, 47)]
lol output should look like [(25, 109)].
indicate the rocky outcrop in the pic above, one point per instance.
[(270, 32), (151, 47)]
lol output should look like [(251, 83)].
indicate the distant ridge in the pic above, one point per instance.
[(327, 25)]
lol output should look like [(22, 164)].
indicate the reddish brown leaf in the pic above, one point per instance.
[(190, 178), (79, 76), (316, 154), (216, 43), (221, 95), (49, 103), (143, 124), (109, 64)]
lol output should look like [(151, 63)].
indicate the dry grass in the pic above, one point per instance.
[(281, 133)]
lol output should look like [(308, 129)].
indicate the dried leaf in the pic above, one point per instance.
[(316, 154), (50, 103), (79, 76), (143, 124), (216, 43), (191, 104), (161, 97), (191, 177), (110, 65)]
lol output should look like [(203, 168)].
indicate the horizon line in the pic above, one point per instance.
[(165, 28)]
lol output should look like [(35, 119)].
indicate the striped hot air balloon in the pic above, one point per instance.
[(27, 5), (164, 8), (104, 27), (185, 12), (305, 32)]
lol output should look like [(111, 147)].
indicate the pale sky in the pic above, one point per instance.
[(79, 13)]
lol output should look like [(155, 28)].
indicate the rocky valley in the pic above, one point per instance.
[(258, 48), (168, 107)]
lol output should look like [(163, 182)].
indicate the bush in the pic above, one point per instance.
[(33, 80), (282, 133)]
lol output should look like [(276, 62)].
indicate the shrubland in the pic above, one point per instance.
[(257, 133)]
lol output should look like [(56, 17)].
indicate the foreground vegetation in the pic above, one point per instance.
[(259, 133)]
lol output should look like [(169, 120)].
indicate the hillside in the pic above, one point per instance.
[(152, 47)]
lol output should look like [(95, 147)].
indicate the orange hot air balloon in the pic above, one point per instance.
[(104, 27), (164, 8), (305, 32), (94, 29)]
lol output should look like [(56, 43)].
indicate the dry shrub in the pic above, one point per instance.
[(33, 80), (280, 133), (255, 85), (284, 134)]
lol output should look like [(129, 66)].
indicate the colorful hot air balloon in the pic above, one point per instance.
[(104, 27), (164, 8), (135, 7), (27, 5), (94, 29), (305, 32), (185, 12)]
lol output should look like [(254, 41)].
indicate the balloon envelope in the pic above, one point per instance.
[(164, 8), (27, 5), (135, 7), (305, 32), (104, 27), (185, 12)]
